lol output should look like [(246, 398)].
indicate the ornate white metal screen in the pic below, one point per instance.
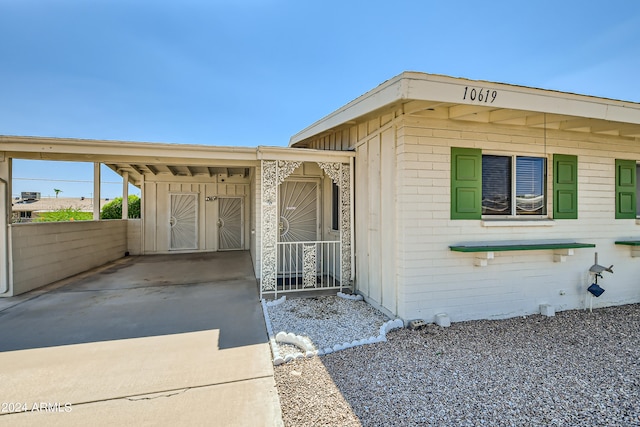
[(341, 174), (184, 221), (330, 261), (230, 223), (298, 210)]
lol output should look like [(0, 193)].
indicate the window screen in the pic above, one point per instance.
[(529, 186)]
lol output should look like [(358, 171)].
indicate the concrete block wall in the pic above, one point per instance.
[(134, 236), (432, 279), (46, 252)]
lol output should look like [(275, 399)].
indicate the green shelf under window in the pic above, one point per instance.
[(518, 246), (628, 242)]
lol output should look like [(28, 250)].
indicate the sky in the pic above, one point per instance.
[(255, 72)]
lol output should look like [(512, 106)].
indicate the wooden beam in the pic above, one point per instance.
[(464, 112), (413, 107), (552, 121), (583, 125), (515, 117)]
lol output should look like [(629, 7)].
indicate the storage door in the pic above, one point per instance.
[(184, 222), (230, 236)]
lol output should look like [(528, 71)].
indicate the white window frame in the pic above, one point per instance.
[(513, 214)]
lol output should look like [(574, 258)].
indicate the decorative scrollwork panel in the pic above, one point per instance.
[(345, 224), (309, 265)]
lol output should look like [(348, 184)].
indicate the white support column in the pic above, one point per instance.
[(96, 191), (269, 226), (125, 195), (142, 206), (273, 174), (5, 226), (342, 175)]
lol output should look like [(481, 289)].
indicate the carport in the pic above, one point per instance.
[(159, 339), (194, 199), (291, 208)]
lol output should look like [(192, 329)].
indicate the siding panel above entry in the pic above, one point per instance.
[(466, 183)]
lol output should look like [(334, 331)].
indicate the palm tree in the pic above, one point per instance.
[(57, 190)]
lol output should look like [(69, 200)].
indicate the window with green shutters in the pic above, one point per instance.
[(479, 189), (565, 186), (625, 189)]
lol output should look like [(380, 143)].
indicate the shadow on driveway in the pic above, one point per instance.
[(141, 297)]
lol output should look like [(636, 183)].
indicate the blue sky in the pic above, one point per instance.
[(255, 72)]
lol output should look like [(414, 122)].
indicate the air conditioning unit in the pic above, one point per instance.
[(30, 195)]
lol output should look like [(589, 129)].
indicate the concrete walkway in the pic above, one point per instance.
[(155, 340)]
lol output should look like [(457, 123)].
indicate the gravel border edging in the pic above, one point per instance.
[(306, 345)]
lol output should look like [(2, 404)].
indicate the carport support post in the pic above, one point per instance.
[(96, 191), (125, 195), (5, 223)]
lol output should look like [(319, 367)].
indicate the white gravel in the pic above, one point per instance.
[(574, 369), (325, 320)]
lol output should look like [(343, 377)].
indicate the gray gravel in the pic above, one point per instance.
[(575, 369), (325, 320)]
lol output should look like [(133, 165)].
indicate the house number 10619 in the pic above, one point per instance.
[(481, 95)]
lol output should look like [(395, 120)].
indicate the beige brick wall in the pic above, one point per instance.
[(433, 279), (46, 252)]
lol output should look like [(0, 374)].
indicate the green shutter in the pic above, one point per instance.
[(466, 183), (625, 189), (565, 186)]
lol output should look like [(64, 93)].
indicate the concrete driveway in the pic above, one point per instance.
[(155, 340)]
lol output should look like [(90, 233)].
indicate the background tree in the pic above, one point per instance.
[(113, 209), (57, 190)]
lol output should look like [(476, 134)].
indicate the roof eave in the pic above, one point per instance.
[(437, 88)]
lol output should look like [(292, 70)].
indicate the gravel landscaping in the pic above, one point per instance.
[(574, 369), (325, 320)]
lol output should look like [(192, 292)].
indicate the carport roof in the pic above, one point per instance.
[(444, 97), (139, 158)]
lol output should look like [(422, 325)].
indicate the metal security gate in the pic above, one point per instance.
[(298, 208), (298, 211), (183, 221), (230, 224), (293, 256)]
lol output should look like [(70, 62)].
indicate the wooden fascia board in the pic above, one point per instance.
[(384, 95), (522, 98), (304, 154), (434, 88), (155, 152)]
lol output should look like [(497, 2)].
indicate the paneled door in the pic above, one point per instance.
[(184, 221), (230, 235)]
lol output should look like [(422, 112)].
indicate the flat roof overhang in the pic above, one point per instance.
[(140, 158), (453, 98)]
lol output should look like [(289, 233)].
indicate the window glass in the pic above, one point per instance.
[(496, 185), (501, 175), (335, 207), (529, 186)]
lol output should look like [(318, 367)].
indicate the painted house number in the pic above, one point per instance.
[(481, 95)]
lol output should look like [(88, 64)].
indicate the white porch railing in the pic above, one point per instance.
[(306, 266)]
